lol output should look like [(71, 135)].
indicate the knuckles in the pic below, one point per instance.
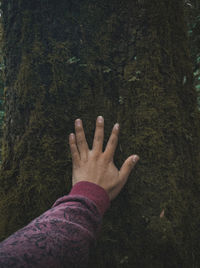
[(73, 150), (98, 138), (113, 141), (80, 142)]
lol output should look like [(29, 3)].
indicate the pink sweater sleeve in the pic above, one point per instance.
[(63, 235)]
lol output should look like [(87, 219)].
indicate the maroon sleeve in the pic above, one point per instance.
[(63, 235)]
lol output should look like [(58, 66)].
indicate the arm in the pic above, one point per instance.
[(62, 236)]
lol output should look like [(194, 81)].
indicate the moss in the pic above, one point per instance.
[(79, 61)]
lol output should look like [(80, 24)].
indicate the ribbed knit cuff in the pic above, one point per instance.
[(93, 192)]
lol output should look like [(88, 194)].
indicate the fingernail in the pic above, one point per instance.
[(116, 126), (135, 158), (72, 135), (78, 122), (100, 119)]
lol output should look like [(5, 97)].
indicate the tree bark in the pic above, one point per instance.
[(128, 61)]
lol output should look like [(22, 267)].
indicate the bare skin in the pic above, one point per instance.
[(96, 166)]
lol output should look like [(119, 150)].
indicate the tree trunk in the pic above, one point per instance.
[(125, 60)]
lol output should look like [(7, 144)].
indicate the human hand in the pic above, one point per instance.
[(96, 166)]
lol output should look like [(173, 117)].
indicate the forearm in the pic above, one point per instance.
[(62, 236)]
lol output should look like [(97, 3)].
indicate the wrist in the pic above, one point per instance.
[(94, 192)]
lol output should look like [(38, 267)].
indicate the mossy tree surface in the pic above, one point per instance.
[(1, 88), (128, 61), (193, 18)]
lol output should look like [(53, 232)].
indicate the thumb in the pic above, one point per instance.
[(127, 166)]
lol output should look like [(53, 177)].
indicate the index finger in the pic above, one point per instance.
[(112, 143)]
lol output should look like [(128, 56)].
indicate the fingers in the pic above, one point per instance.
[(127, 167), (74, 149), (80, 139), (99, 135), (112, 143)]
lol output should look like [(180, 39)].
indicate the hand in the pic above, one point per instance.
[(96, 166)]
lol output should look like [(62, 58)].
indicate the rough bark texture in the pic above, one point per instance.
[(1, 88), (125, 60)]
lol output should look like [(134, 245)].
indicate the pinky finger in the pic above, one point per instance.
[(74, 149)]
